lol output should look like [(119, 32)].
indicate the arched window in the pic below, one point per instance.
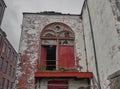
[(57, 47)]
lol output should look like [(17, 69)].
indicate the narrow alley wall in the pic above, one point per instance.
[(106, 39)]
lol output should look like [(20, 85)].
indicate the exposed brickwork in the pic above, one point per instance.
[(8, 62)]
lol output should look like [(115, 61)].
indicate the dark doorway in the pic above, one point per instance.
[(51, 57)]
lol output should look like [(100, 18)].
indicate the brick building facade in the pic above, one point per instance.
[(8, 63), (8, 57)]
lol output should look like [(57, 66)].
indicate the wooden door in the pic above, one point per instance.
[(57, 85)]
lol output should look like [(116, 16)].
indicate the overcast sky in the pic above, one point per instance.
[(13, 14)]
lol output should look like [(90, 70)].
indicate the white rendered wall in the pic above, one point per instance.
[(29, 48), (106, 39)]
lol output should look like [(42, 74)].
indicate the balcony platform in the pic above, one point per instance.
[(64, 74)]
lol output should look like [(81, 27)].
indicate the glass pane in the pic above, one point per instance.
[(49, 42), (66, 42)]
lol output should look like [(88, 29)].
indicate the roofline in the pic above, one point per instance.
[(6, 39), (39, 13), (83, 7)]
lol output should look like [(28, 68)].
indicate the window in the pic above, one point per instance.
[(4, 47), (11, 85), (57, 47), (13, 73), (2, 83), (10, 70), (1, 63), (0, 38), (12, 56), (5, 66), (15, 59), (9, 52), (7, 85)]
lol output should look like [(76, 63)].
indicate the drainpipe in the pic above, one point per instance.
[(94, 46)]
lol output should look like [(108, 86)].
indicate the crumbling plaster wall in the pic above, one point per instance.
[(106, 39), (29, 48)]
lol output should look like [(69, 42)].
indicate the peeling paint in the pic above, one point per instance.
[(32, 27)]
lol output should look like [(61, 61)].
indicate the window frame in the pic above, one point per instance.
[(57, 37), (3, 82), (1, 63)]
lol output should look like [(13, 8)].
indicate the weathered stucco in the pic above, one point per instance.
[(29, 48), (106, 39)]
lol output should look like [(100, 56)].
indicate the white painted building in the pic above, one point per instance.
[(85, 48), (52, 52)]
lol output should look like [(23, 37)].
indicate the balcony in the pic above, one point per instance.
[(54, 69), (56, 66)]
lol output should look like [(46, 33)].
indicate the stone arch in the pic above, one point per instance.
[(57, 28)]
